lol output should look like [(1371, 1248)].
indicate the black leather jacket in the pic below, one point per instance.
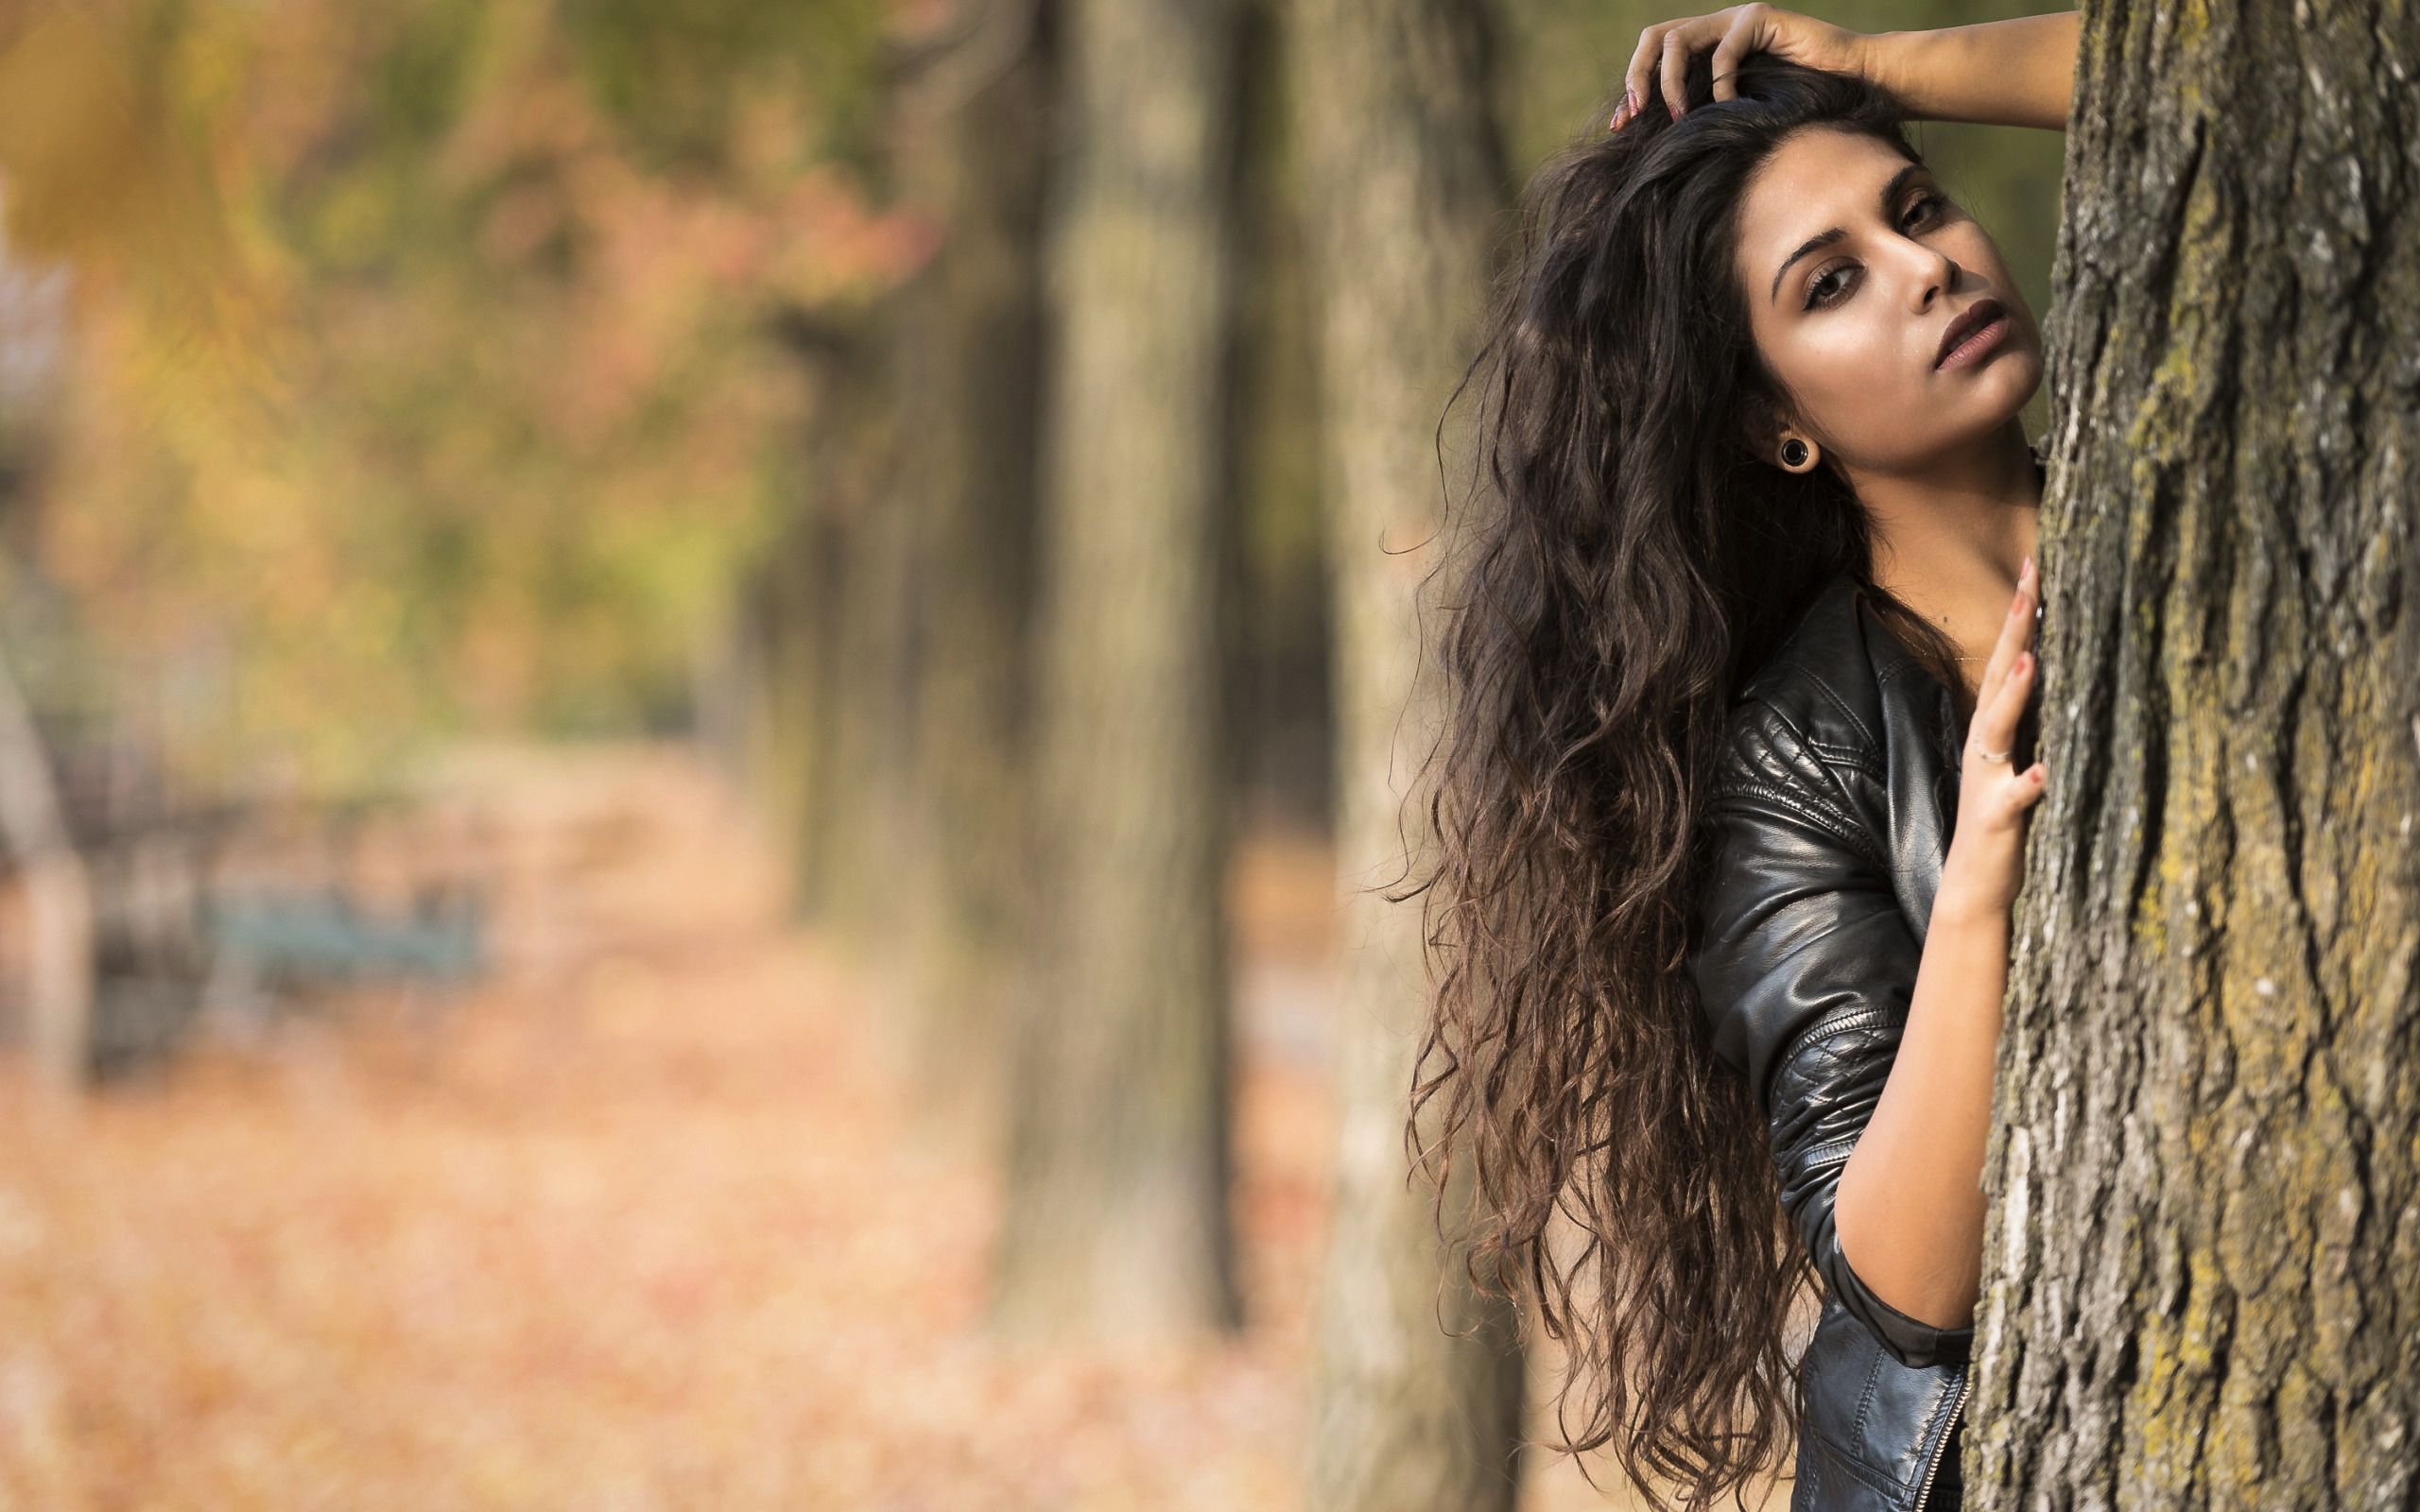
[(1830, 816)]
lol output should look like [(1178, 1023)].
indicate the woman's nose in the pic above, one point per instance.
[(1929, 275)]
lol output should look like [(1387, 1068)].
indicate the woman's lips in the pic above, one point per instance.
[(1972, 336)]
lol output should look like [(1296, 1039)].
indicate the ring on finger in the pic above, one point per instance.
[(1999, 756)]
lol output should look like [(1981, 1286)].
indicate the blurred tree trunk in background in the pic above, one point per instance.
[(1419, 1392), (970, 147), (2202, 1284), (882, 649), (58, 898), (824, 641), (1119, 1164)]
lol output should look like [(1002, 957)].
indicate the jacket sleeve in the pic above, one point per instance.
[(1805, 965)]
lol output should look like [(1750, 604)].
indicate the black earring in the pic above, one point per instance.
[(1793, 452)]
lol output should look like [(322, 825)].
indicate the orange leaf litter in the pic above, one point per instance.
[(640, 1222)]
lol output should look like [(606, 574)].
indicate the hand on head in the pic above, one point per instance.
[(1662, 60)]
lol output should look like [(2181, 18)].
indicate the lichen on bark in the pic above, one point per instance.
[(2201, 1285)]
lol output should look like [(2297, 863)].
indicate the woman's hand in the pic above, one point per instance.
[(1994, 72), (1986, 858), (1665, 50)]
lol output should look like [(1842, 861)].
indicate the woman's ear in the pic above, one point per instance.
[(1783, 444)]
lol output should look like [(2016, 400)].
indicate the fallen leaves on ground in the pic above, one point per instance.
[(644, 1221)]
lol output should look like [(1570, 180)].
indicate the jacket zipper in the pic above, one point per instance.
[(1924, 1492)]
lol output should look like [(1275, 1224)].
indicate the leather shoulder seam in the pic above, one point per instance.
[(1864, 755), (1832, 821), (1868, 743), (1853, 758)]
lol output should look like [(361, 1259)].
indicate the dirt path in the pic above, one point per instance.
[(636, 1225)]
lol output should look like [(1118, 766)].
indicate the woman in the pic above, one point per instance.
[(1733, 793)]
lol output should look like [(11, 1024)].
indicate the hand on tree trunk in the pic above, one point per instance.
[(1986, 861)]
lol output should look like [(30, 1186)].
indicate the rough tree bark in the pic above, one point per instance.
[(2204, 1264), (1418, 1396), (1118, 1166)]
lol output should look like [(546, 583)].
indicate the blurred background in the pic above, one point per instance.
[(672, 746)]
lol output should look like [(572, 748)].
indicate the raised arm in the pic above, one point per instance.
[(1996, 72)]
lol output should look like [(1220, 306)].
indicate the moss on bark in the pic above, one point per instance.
[(2201, 1287)]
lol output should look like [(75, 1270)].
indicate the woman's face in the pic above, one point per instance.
[(1884, 309)]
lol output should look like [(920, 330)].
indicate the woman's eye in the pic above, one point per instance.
[(1927, 209), (1831, 286)]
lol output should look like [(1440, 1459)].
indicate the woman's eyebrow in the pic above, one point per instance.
[(1812, 244), (1816, 244)]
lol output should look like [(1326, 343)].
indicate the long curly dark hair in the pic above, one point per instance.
[(1627, 559)]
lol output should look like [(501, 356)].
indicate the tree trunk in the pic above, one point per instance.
[(823, 739), (1119, 1165), (1419, 1387), (971, 149), (58, 898), (2204, 1262)]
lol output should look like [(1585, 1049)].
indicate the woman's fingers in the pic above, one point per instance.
[(2008, 679), (2031, 784), (1745, 34), (1676, 66), (1640, 75), (1662, 58), (1994, 728), (1995, 719), (2016, 633), (2012, 795), (2000, 794)]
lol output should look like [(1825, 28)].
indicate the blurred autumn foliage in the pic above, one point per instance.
[(422, 376)]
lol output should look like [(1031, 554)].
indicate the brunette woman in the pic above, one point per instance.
[(1733, 796)]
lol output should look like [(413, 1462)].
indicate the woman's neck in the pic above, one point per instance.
[(1948, 540)]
